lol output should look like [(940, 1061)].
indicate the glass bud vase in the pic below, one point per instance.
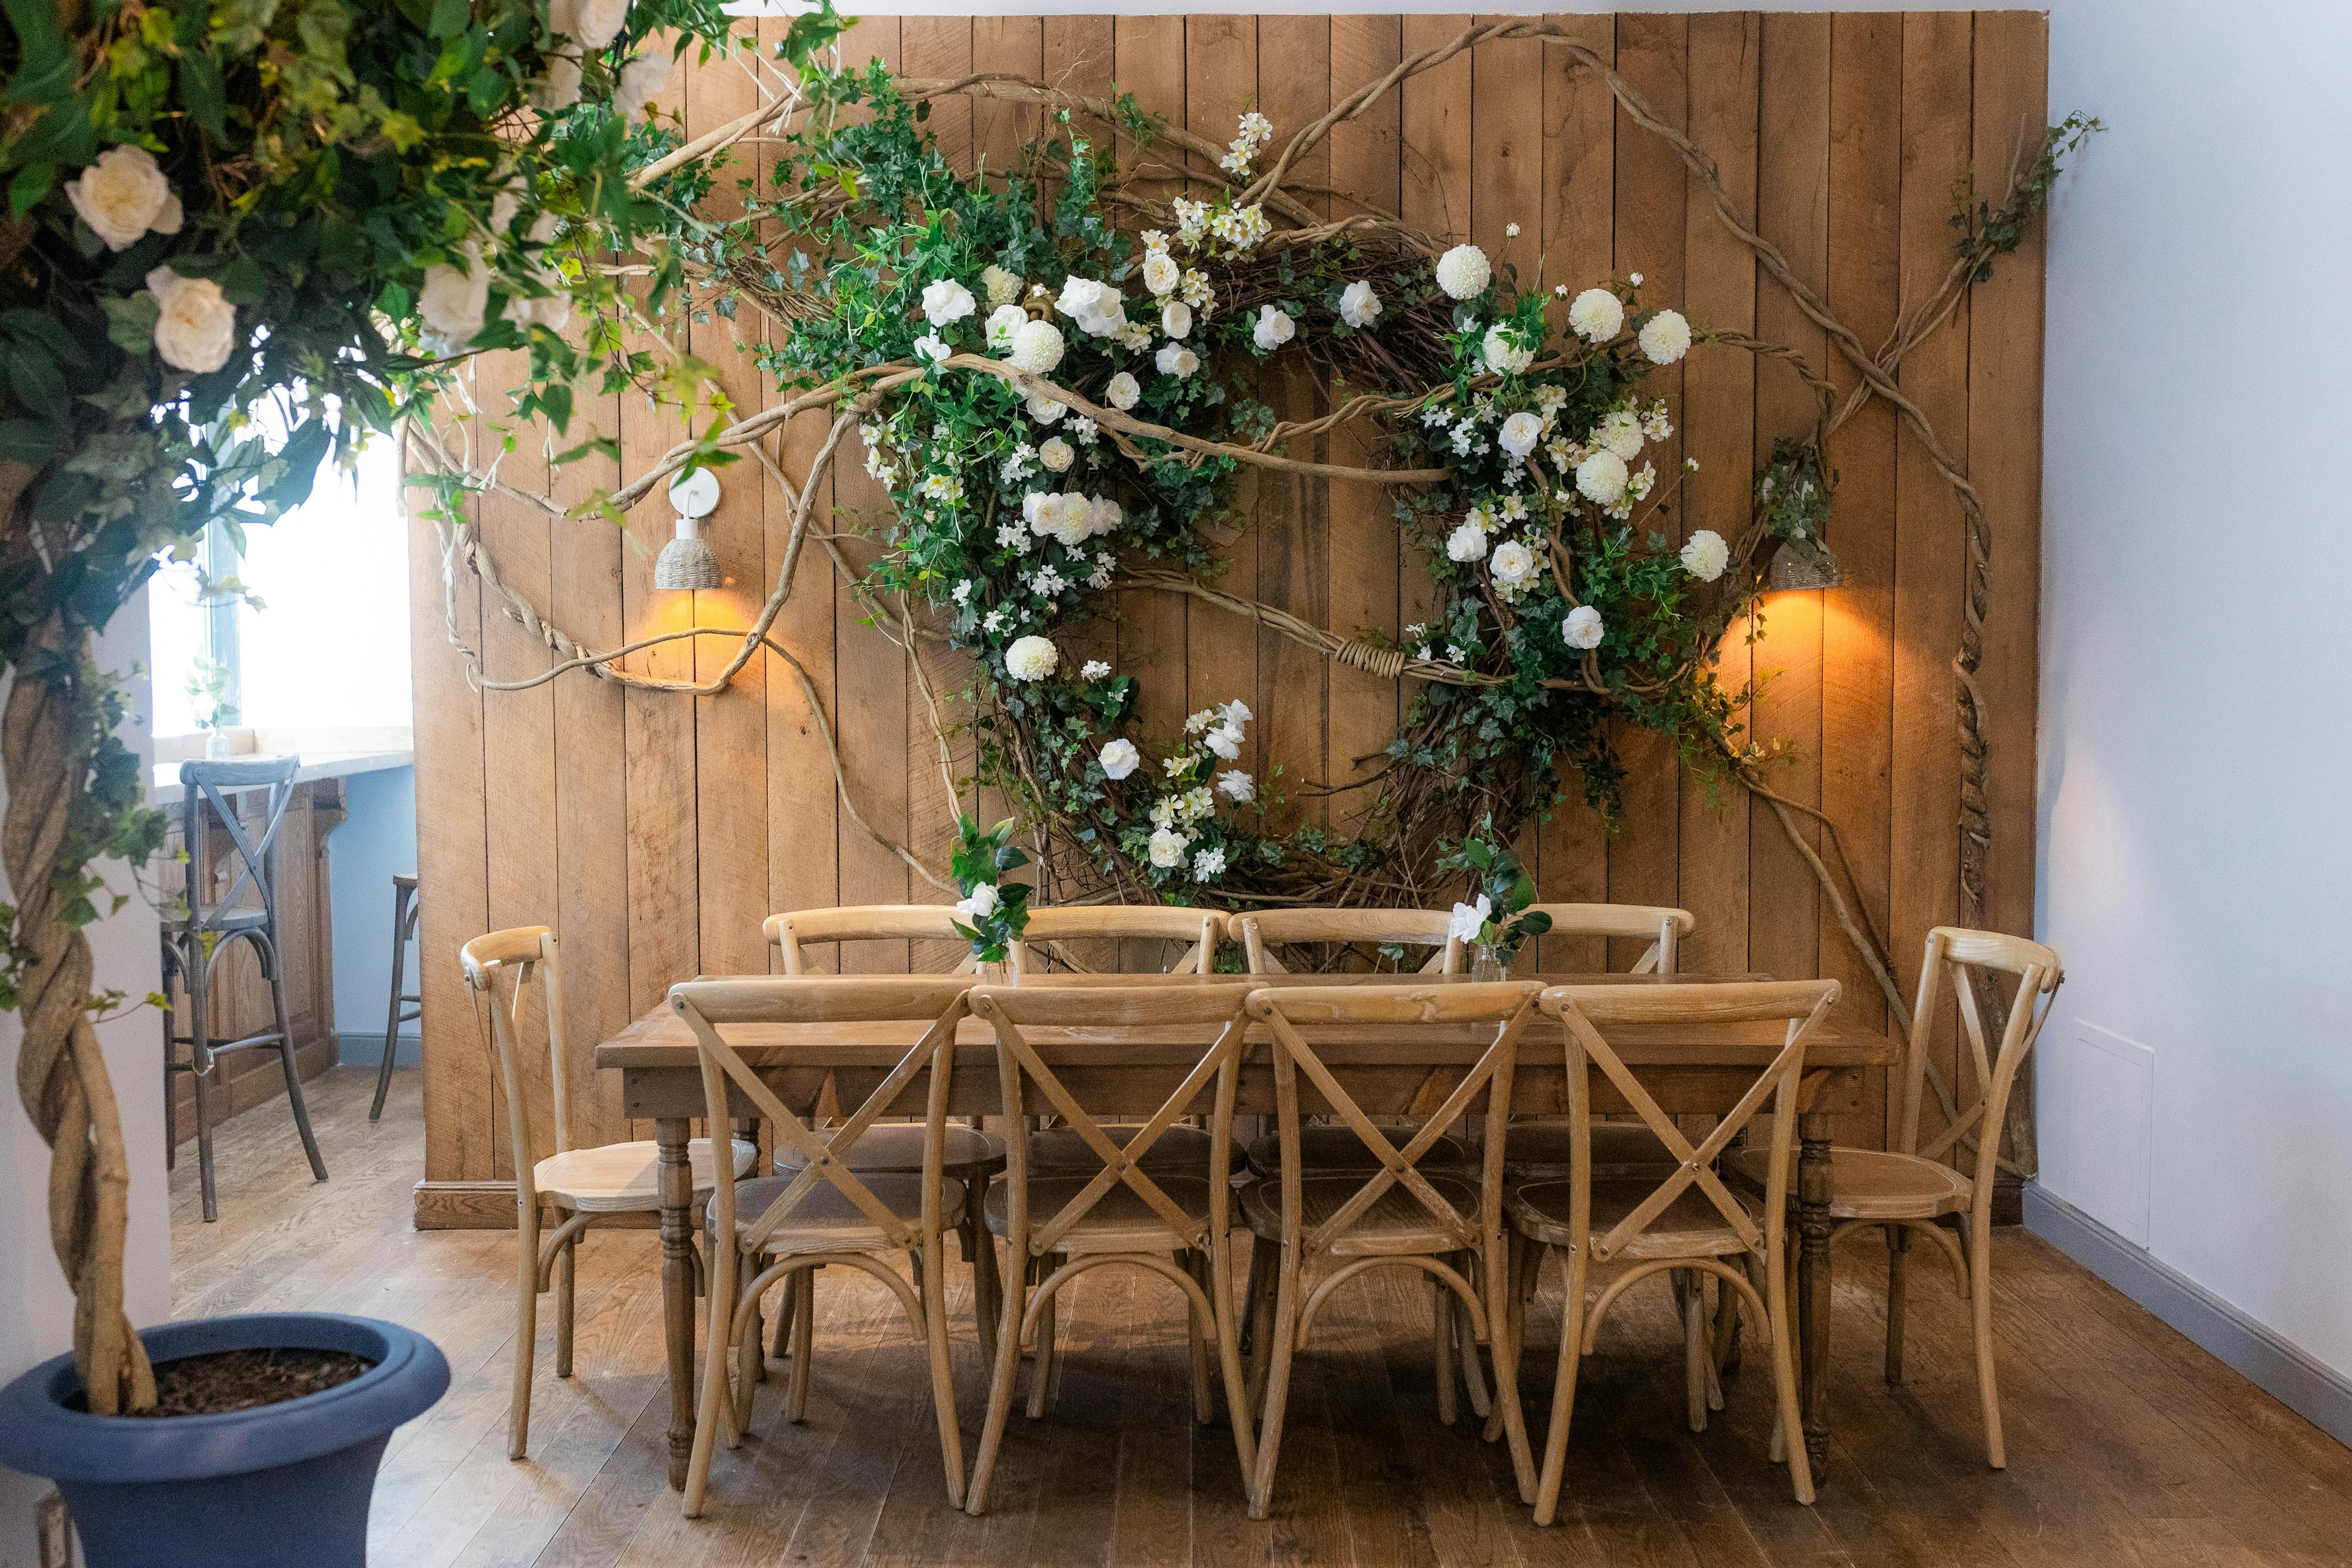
[(1485, 963), (996, 972)]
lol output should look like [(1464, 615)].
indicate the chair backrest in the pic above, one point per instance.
[(1204, 930), (789, 932), (201, 783), (1663, 928), (1041, 1037), (935, 1001), (1588, 1012), (1968, 960), (516, 957), (1262, 931), (1290, 1012)]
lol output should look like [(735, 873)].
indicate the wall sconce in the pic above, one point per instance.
[(1802, 562), (686, 560)]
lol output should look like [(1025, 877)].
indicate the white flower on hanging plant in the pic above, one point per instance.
[(1463, 273), (1003, 288), (1582, 628), (1176, 360), (1665, 337), (1123, 392), (1504, 355), (1466, 543), (1621, 432), (1037, 347), (980, 903), (559, 87), (1596, 315), (1357, 304), (1237, 787), (1167, 847), (1105, 515), (1273, 328), (1119, 758), (195, 326), (1468, 919), (1601, 477), (945, 300), (642, 80), (124, 196), (1057, 454), (1175, 318), (1031, 658), (1520, 433), (1236, 713), (1003, 322), (1161, 274), (1705, 555)]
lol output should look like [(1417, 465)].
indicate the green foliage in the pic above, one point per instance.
[(1986, 231), (995, 911), (1500, 892)]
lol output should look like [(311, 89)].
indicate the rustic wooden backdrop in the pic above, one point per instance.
[(656, 832)]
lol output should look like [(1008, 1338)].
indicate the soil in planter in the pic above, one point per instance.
[(223, 1380)]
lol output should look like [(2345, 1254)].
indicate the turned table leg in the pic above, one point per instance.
[(671, 1134), (1813, 1130)]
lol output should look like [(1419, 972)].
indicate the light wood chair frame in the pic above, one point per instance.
[(938, 1003), (1263, 931), (1023, 1060), (787, 932), (1509, 1006), (1663, 927), (1204, 930), (1582, 1011)]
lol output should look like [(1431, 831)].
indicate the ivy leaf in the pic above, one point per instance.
[(201, 92), (30, 184), (448, 18)]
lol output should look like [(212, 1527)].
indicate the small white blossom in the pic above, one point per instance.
[(1510, 231), (992, 621), (1596, 315), (963, 592), (1634, 279), (1582, 628), (1135, 336), (1208, 865), (1031, 658), (1457, 654), (1046, 582), (1463, 271), (1081, 430), (1191, 220), (1195, 290), (1093, 669), (1242, 228), (932, 347)]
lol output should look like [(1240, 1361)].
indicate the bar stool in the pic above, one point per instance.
[(406, 1007), (195, 942)]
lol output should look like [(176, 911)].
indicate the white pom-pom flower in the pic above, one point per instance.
[(1003, 288), (946, 301), (1037, 347), (1582, 628), (1520, 433), (1175, 318), (1621, 432), (1357, 304), (1596, 315), (1003, 322), (195, 326), (1705, 555), (1463, 271), (124, 196), (1505, 355), (1466, 542), (1161, 273), (1057, 454), (1665, 337), (1119, 758), (1123, 391), (1167, 847), (1273, 328), (1031, 658), (1601, 477)]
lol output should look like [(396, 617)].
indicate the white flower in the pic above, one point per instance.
[(1057, 454), (947, 301), (1176, 360), (1031, 658), (1076, 520), (1240, 227), (1510, 231), (980, 903), (1457, 654), (1003, 288), (1134, 335), (1601, 477), (1237, 787), (1468, 919), (1047, 582), (1094, 670), (963, 592), (1358, 304), (1175, 318), (1197, 293), (1120, 759), (1621, 432), (1463, 271), (641, 79), (933, 347), (1042, 511), (1003, 322), (196, 328), (1167, 847), (1596, 315), (452, 303), (1513, 564), (596, 23), (1208, 864), (1503, 355), (1236, 713), (1705, 555), (1037, 347), (1274, 328), (1634, 279), (1582, 629), (1468, 542), (124, 196), (1225, 740), (560, 88), (1095, 305), (1520, 433), (1104, 516), (1666, 337), (1081, 430), (1123, 391), (1161, 273), (1191, 220), (1045, 410)]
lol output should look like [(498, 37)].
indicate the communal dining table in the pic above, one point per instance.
[(1690, 1069)]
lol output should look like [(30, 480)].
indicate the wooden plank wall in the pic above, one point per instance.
[(656, 832)]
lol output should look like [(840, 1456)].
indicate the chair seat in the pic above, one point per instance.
[(1398, 1223), (897, 1147), (825, 1220), (615, 1178), (1121, 1221), (1179, 1151), (1337, 1152), (1866, 1183), (1690, 1226), (1542, 1151)]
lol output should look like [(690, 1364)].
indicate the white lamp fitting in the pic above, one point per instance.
[(687, 562)]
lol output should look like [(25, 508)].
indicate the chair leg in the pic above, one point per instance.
[(980, 1248), (1204, 1402), (1898, 1294), (803, 1347), (1441, 1310), (1284, 1333), (526, 1329), (198, 976), (1524, 1271), (1504, 1321), (1981, 1312), (1465, 1346), (750, 1364), (1727, 1342), (1780, 1303), (1563, 1388), (714, 1405), (269, 949), (1041, 1375), (1245, 1339), (566, 1265), (1264, 1260), (400, 896), (935, 1336), (782, 1348), (1697, 1339), (1014, 1303)]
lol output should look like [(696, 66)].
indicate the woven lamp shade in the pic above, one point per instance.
[(687, 562)]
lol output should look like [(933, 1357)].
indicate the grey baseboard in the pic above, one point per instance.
[(2277, 1365), (364, 1050)]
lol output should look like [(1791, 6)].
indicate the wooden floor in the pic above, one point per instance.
[(2127, 1444)]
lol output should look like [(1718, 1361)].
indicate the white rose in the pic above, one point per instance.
[(1666, 337), (1705, 555), (1358, 304), (196, 328), (1582, 628), (1045, 410), (1057, 454), (980, 903), (1167, 847), (1225, 740), (1468, 919), (1003, 322), (1468, 542), (933, 347), (1237, 787), (1042, 510), (1038, 346), (1463, 271), (1123, 391), (1274, 328), (1120, 759), (1236, 712), (1176, 360), (1520, 433), (1596, 315), (560, 88), (1601, 477), (1621, 432), (1161, 273), (1103, 516), (123, 196), (1003, 288), (1031, 658), (1513, 564), (596, 23), (1175, 318), (1504, 356), (454, 300), (641, 79), (947, 301), (1096, 306)]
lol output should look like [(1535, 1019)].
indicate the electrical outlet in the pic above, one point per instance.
[(55, 1532)]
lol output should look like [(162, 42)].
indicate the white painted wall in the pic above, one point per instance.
[(2196, 865), (375, 842), (35, 1308)]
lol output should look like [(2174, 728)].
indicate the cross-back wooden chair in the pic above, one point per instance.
[(1400, 1214), (827, 1213), (795, 929), (1204, 931), (1689, 1221), (1661, 927), (1127, 1212), (1918, 1189), (1261, 933), (606, 1184)]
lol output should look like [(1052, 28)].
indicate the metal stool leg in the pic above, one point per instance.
[(170, 1054), (277, 971), (198, 976), (404, 921)]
